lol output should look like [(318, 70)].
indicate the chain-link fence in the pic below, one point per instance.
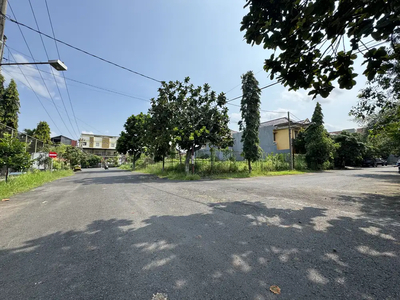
[(36, 148), (33, 145), (225, 161)]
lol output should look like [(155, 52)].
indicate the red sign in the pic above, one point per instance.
[(53, 154)]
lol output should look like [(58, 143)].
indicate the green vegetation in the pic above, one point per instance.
[(272, 165), (133, 140), (307, 40), (28, 181), (190, 118), (13, 154), (9, 104), (250, 123), (319, 146), (42, 132)]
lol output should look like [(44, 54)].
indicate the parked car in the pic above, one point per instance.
[(369, 162), (77, 168), (381, 161)]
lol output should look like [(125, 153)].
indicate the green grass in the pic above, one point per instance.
[(273, 165), (26, 182)]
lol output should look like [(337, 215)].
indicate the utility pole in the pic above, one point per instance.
[(290, 142), (3, 7)]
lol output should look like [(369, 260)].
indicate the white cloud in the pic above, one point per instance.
[(275, 114), (33, 79), (331, 127), (296, 96), (264, 115), (87, 132), (235, 117)]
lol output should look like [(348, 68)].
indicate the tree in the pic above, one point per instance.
[(381, 94), (74, 155), (30, 132), (42, 132), (319, 146), (250, 123), (10, 105), (350, 150), (160, 131), (200, 117), (299, 143), (2, 103), (13, 154), (133, 140), (310, 33)]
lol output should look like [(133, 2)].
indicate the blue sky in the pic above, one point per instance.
[(167, 40)]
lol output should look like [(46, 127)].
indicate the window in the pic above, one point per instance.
[(112, 145), (97, 144), (84, 144), (274, 136)]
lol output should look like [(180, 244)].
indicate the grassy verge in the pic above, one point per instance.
[(220, 170), (26, 182)]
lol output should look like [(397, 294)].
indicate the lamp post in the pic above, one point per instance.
[(56, 64)]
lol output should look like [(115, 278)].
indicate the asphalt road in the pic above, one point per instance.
[(109, 234)]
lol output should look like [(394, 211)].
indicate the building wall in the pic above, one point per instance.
[(98, 142)]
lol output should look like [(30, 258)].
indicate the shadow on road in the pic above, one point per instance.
[(236, 251), (389, 175)]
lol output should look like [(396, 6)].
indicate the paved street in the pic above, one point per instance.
[(111, 234)]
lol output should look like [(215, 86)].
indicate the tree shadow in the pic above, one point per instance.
[(235, 251), (389, 174)]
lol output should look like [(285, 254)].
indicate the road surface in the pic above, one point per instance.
[(110, 234)]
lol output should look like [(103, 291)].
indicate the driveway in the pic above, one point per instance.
[(111, 234)]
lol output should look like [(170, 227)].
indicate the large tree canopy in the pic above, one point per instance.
[(134, 139), (309, 39), (200, 116), (380, 94)]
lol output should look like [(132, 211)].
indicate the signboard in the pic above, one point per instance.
[(53, 154)]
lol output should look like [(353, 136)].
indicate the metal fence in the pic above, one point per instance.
[(33, 145)]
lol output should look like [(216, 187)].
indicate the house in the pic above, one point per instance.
[(273, 136), (100, 145), (63, 140)]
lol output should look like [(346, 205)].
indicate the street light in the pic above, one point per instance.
[(56, 64)]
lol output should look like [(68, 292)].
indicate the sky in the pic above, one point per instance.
[(166, 40)]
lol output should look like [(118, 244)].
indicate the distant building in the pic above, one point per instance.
[(63, 140), (273, 136), (100, 145), (350, 130)]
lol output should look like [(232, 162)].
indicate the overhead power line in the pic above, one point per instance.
[(31, 88), (78, 81), (29, 49), (48, 58), (81, 50), (59, 56), (263, 110), (263, 88), (40, 101)]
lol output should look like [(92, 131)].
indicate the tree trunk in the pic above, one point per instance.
[(249, 165), (7, 174), (134, 162), (187, 162), (180, 157), (163, 162)]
